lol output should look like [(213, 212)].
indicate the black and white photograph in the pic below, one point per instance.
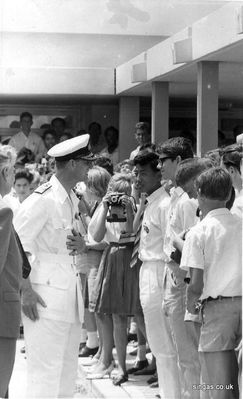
[(121, 199)]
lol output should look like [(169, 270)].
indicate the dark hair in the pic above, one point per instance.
[(214, 156), (94, 124), (58, 119), (68, 135), (231, 156), (25, 155), (187, 134), (14, 125), (23, 174), (143, 126), (25, 114), (214, 184), (147, 157), (113, 129), (190, 168), (177, 146), (45, 126), (221, 135), (61, 164), (49, 131), (105, 163), (231, 200), (81, 132)]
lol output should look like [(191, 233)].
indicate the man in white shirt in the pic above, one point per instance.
[(143, 137), (97, 140), (111, 135), (52, 300), (213, 253), (153, 258), (28, 139)]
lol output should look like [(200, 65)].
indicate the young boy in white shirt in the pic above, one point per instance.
[(181, 216), (213, 253), (151, 253)]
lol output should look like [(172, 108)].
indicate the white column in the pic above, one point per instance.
[(160, 111), (207, 106), (128, 117)]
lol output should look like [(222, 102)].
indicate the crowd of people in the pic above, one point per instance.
[(33, 147), (91, 247)]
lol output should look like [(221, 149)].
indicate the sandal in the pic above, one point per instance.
[(120, 379)]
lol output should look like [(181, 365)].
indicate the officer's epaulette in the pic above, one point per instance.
[(43, 188)]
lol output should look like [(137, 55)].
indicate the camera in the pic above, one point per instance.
[(117, 211), (115, 199)]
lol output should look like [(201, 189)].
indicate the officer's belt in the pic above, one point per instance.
[(55, 258)]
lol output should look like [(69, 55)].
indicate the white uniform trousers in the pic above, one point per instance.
[(158, 329), (186, 335), (52, 357)]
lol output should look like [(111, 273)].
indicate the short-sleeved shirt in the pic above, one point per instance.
[(181, 216), (33, 142), (153, 227), (214, 245), (113, 230), (237, 208)]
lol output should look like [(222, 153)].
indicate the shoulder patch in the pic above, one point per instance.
[(43, 188)]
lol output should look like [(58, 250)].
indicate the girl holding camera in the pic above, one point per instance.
[(113, 295)]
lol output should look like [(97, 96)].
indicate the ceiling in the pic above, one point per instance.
[(183, 82), (96, 36)]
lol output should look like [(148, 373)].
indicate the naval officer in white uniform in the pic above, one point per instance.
[(51, 297)]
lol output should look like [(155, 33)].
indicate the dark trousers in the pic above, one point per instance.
[(7, 357)]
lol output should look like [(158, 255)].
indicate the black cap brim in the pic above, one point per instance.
[(91, 157), (83, 154)]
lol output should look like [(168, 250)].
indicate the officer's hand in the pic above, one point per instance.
[(76, 244), (30, 298)]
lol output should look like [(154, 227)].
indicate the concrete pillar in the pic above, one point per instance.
[(160, 111), (128, 117), (207, 106)]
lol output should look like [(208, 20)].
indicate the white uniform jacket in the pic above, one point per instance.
[(43, 222)]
